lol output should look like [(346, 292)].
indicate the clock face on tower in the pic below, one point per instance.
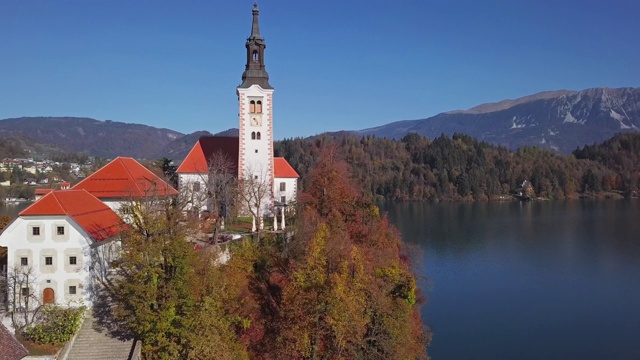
[(256, 121)]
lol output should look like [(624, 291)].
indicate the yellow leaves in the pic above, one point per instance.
[(313, 272), (347, 301), (402, 284)]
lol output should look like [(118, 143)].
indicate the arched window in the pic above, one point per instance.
[(255, 55), (196, 186), (253, 135), (258, 135), (252, 106), (259, 107)]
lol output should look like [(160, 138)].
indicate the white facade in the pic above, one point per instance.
[(285, 190), (58, 253), (256, 139), (114, 203), (256, 131), (193, 191)]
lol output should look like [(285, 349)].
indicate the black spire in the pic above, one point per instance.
[(255, 71)]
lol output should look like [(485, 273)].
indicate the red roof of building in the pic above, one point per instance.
[(96, 218), (43, 191), (65, 183), (10, 347), (197, 161), (125, 178), (282, 169)]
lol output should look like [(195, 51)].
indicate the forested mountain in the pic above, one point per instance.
[(560, 120), (462, 168), (106, 139), (11, 148), (52, 136), (178, 149)]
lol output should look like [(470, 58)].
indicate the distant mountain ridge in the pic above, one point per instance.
[(98, 138), (106, 139), (560, 120)]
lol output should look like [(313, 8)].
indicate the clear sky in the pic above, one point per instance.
[(334, 64)]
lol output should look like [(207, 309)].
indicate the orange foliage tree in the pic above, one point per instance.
[(341, 288)]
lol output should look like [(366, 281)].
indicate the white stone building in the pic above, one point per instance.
[(61, 241)]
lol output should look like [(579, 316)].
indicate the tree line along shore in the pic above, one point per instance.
[(461, 168)]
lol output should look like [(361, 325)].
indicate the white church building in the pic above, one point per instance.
[(251, 153)]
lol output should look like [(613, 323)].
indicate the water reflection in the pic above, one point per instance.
[(562, 275), (13, 210)]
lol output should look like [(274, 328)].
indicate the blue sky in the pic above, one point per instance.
[(335, 64)]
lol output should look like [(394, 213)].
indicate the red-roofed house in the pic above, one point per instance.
[(42, 192), (57, 238), (122, 180)]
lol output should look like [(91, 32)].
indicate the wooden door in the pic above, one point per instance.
[(48, 296)]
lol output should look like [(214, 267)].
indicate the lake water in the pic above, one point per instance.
[(13, 210), (538, 280)]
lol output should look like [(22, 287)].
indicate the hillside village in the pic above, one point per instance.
[(21, 177)]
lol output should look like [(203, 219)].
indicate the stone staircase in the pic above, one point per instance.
[(94, 343)]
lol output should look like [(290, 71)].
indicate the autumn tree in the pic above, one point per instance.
[(340, 288), (165, 293)]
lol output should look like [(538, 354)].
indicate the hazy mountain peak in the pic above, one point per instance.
[(561, 120), (507, 103)]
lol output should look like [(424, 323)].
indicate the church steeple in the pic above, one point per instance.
[(255, 71)]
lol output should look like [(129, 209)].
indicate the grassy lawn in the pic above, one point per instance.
[(240, 225)]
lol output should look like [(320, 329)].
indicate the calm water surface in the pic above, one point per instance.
[(540, 280), (13, 210)]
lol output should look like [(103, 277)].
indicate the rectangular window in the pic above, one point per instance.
[(196, 186), (72, 290), (60, 230), (73, 260), (24, 261), (48, 260), (24, 291), (283, 199), (283, 186), (35, 230)]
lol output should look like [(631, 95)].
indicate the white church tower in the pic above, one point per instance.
[(255, 100)]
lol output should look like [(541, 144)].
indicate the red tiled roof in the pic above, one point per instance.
[(203, 150), (43, 191), (96, 218), (196, 162), (282, 169), (10, 347), (124, 178)]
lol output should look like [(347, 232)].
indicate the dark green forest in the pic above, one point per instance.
[(460, 168)]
